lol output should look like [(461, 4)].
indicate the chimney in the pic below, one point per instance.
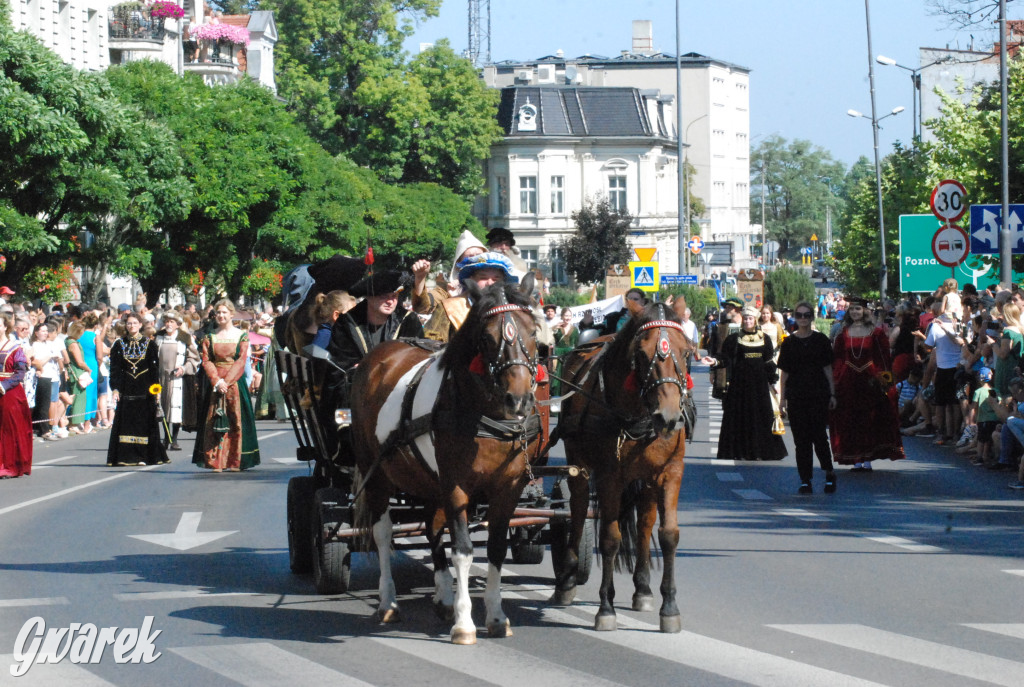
[(643, 37)]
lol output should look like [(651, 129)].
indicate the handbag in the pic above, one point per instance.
[(84, 380), (221, 424), (778, 428)]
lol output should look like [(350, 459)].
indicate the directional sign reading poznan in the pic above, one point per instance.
[(986, 223), (949, 245), (948, 200)]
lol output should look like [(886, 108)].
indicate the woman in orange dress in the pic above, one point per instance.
[(227, 436)]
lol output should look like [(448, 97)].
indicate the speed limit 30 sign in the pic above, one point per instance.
[(948, 200)]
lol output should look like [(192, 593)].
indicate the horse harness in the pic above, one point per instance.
[(515, 431)]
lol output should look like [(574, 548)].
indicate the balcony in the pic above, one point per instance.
[(136, 33)]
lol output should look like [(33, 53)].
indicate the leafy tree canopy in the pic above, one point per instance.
[(786, 286), (599, 241)]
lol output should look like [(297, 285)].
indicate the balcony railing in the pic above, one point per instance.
[(137, 29)]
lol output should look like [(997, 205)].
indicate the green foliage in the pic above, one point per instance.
[(700, 300), (566, 298), (787, 286), (801, 181), (599, 241)]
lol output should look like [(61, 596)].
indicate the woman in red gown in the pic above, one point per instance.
[(865, 423), (15, 418)]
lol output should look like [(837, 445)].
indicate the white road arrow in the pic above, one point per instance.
[(186, 536), (989, 232), (1015, 229)]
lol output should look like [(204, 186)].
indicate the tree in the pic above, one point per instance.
[(786, 286), (599, 241), (797, 180), (344, 74)]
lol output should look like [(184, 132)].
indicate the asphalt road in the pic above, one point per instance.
[(909, 575)]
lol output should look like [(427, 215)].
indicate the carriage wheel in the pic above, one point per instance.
[(526, 549), (300, 526), (332, 560)]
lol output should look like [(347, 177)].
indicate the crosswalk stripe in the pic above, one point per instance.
[(969, 664), (752, 495), (492, 663), (1015, 572), (729, 476), (906, 544), (63, 674), (723, 461), (1007, 629), (801, 513), (705, 653), (42, 601), (261, 664), (177, 594)]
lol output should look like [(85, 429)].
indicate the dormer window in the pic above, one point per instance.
[(528, 117)]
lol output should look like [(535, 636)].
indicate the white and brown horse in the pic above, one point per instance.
[(624, 424), (451, 429)]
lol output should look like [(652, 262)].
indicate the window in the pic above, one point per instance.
[(528, 195), (557, 195), (558, 273), (529, 256), (502, 196), (617, 193)]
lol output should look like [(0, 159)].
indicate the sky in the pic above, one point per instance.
[(808, 58)]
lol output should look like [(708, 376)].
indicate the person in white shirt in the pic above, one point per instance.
[(946, 344)]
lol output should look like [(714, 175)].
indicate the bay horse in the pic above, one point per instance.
[(624, 424), (449, 428)]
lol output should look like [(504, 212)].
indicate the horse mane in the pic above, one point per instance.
[(652, 312), (465, 343)]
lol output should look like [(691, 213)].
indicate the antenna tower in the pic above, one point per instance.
[(479, 52)]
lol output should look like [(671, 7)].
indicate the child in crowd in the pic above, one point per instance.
[(908, 389), (951, 304), (984, 416)]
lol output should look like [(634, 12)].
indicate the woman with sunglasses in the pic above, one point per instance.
[(807, 394)]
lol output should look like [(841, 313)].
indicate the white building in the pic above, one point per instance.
[(947, 70), (716, 124), (74, 29), (565, 145)]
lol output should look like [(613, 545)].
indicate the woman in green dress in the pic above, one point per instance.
[(76, 368), (226, 438), (566, 337), (1008, 352)]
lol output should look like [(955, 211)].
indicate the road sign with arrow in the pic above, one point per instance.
[(986, 222)]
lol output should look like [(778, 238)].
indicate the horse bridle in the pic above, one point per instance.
[(663, 350), (512, 339)]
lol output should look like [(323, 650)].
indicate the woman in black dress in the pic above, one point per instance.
[(134, 370), (747, 414), (807, 394)]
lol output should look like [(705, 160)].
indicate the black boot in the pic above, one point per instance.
[(830, 482)]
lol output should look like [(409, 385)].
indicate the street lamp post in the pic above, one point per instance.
[(884, 277), (683, 230), (915, 79), (686, 178)]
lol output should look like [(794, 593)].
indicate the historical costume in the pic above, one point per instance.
[(178, 357), (134, 370), (77, 370), (88, 343), (452, 313), (227, 434), (805, 360), (727, 325), (15, 417), (747, 418), (865, 423), (425, 301)]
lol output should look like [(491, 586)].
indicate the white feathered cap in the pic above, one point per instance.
[(467, 240)]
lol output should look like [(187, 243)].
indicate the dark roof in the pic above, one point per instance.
[(577, 111), (659, 59)]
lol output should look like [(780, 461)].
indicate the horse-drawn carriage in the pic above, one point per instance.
[(456, 438)]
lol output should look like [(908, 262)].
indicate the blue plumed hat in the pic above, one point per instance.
[(484, 260)]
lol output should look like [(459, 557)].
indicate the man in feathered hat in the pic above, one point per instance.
[(483, 270)]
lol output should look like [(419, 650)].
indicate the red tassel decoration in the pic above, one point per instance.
[(630, 383), (368, 260), (476, 366), (542, 373), (689, 382)]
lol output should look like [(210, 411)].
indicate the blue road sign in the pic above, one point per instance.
[(643, 275), (696, 243), (690, 279), (986, 222)]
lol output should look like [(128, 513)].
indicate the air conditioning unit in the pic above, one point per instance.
[(523, 75), (546, 73)]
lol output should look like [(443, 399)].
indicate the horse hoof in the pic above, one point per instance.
[(390, 615), (605, 623), (671, 624), (499, 630), (643, 602), (464, 637), (444, 612), (563, 597)]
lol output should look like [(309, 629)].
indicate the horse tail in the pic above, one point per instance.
[(626, 558)]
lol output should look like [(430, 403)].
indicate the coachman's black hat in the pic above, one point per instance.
[(501, 234), (338, 273), (382, 282)]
